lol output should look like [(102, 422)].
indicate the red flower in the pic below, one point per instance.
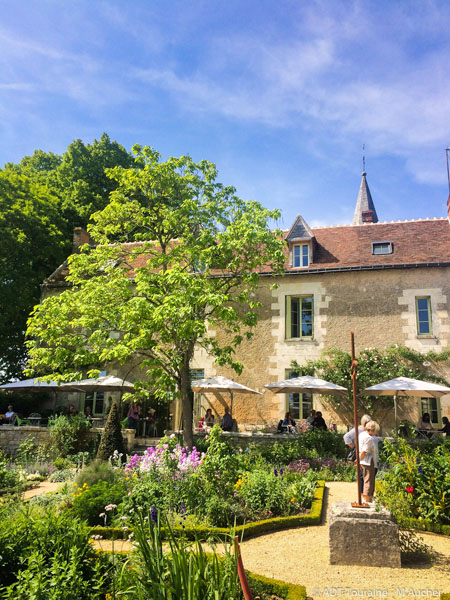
[(410, 490)]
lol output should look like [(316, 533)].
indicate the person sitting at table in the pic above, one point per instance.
[(319, 422), (10, 415), (288, 424), (227, 420), (88, 413), (209, 418), (446, 426), (424, 427), (71, 411)]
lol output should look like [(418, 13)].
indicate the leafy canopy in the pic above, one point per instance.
[(177, 257)]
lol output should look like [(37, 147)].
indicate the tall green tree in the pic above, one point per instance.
[(31, 244), (177, 258)]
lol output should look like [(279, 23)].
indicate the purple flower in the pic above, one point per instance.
[(275, 472), (281, 471), (154, 514), (420, 470)]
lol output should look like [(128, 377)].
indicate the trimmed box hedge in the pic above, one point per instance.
[(288, 591), (245, 531)]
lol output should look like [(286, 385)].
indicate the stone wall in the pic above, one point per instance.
[(11, 437), (379, 305)]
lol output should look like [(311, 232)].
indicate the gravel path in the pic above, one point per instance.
[(43, 488), (302, 556)]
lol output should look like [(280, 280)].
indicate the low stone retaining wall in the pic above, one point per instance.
[(11, 436)]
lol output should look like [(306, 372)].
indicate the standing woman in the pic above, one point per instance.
[(133, 415), (368, 458)]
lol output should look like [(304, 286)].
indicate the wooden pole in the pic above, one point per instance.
[(354, 370), (241, 571)]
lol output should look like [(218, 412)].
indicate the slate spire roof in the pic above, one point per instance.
[(365, 208)]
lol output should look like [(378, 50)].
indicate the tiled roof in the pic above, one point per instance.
[(414, 242), (418, 242)]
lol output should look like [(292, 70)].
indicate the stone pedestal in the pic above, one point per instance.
[(363, 536)]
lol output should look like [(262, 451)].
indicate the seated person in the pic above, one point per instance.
[(424, 427), (209, 418), (227, 420), (310, 419), (446, 426), (88, 413), (288, 424), (319, 422), (72, 411), (10, 416)]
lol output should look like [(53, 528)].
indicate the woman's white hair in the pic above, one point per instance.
[(373, 426)]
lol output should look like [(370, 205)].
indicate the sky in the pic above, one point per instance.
[(280, 94)]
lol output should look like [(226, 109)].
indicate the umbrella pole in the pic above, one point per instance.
[(231, 404), (395, 415), (354, 369)]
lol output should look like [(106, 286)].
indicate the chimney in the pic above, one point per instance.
[(367, 216), (80, 237)]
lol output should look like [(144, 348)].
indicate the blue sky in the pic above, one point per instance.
[(281, 95)]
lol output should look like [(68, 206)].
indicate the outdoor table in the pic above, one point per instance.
[(34, 421)]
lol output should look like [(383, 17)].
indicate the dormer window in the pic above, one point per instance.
[(300, 255), (381, 247)]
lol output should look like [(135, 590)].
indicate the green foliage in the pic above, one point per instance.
[(111, 440), (413, 548), (45, 545), (31, 246), (62, 475), (96, 471), (90, 501), (68, 434), (180, 571), (374, 366), (26, 452), (174, 297), (9, 476), (417, 484)]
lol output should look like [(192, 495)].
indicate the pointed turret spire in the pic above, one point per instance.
[(365, 208)]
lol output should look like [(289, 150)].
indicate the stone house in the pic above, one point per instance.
[(388, 281)]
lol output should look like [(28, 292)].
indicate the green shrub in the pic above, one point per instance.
[(9, 476), (96, 471), (69, 435), (26, 452), (90, 501), (61, 463), (61, 476), (111, 440), (34, 543)]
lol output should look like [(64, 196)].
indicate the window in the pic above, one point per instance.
[(96, 401), (423, 312), (381, 247), (299, 405), (432, 407), (299, 317), (197, 374), (300, 255)]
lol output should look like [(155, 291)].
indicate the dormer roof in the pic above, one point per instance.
[(300, 231), (365, 208)]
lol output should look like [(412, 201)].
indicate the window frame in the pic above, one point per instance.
[(425, 405), (288, 317), (301, 400), (301, 256), (390, 248), (429, 333)]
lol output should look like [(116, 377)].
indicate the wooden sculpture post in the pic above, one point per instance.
[(354, 369)]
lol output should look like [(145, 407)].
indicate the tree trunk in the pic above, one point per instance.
[(187, 405)]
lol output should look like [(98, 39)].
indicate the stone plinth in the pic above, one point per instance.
[(363, 536)]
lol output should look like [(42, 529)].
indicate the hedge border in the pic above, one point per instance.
[(288, 591), (243, 531), (420, 525)]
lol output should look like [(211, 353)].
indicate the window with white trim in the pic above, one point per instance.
[(300, 255), (381, 247), (299, 317)]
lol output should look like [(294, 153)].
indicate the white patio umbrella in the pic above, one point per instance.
[(105, 383), (403, 387), (31, 385), (222, 384), (306, 385)]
